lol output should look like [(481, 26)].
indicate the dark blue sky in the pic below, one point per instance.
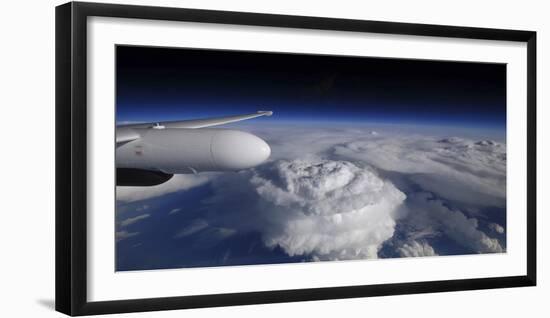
[(156, 84)]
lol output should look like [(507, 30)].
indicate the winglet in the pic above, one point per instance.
[(265, 112)]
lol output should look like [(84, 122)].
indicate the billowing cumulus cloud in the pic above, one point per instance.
[(321, 209), (416, 249), (432, 216)]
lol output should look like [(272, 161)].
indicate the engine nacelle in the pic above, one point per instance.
[(177, 151), (140, 178)]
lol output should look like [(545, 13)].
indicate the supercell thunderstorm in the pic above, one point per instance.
[(333, 195), (347, 211)]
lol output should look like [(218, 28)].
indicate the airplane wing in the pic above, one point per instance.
[(125, 135), (199, 123)]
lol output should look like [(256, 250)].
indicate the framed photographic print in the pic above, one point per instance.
[(208, 158)]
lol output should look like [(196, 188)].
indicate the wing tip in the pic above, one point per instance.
[(265, 112)]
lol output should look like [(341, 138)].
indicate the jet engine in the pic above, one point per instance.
[(159, 153)]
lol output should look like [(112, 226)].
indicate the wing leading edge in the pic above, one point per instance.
[(200, 123), (127, 133)]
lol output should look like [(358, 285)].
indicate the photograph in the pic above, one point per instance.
[(248, 158)]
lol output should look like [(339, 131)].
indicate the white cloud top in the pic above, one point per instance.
[(416, 249), (320, 209)]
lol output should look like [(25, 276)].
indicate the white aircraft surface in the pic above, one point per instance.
[(151, 153)]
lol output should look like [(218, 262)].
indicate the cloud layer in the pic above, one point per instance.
[(455, 168), (342, 193)]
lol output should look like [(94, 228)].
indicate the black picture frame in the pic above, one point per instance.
[(71, 157)]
